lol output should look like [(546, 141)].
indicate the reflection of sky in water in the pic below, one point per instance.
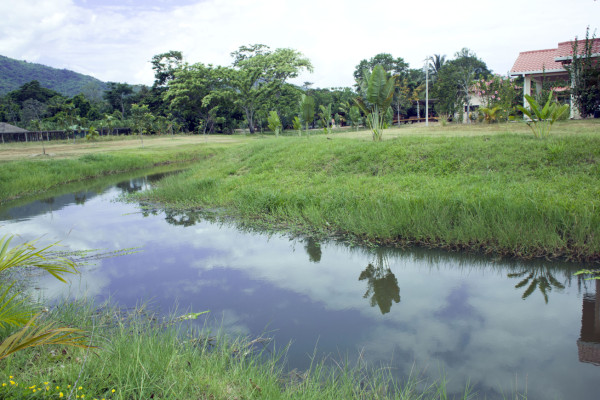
[(460, 314)]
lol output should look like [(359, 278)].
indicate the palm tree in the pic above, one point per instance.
[(436, 63)]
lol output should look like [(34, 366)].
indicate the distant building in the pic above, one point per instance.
[(539, 66), (8, 129)]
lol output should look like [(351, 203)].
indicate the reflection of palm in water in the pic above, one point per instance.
[(540, 278), (382, 284)]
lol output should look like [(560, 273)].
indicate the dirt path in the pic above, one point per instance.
[(62, 149)]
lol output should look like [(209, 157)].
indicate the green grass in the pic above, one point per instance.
[(504, 193), (34, 176), (141, 357)]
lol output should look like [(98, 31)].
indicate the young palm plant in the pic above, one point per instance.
[(12, 306), (274, 122), (379, 95), (542, 118)]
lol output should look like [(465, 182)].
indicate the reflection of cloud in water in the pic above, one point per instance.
[(459, 314)]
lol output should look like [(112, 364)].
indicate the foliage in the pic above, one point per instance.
[(119, 97), (297, 124), (490, 114), (165, 65), (92, 134), (274, 122), (379, 95), (325, 117), (142, 119), (12, 310), (454, 81), (307, 110), (355, 117), (393, 66), (541, 118), (498, 91), (584, 73)]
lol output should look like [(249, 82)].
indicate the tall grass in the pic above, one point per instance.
[(142, 357)]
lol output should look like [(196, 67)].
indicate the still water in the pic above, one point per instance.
[(502, 325)]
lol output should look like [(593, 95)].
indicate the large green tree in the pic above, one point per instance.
[(118, 97), (455, 79), (259, 77)]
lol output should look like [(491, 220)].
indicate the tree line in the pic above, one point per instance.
[(255, 92)]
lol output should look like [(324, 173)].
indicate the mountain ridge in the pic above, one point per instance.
[(15, 73)]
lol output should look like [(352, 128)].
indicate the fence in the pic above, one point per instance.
[(33, 136)]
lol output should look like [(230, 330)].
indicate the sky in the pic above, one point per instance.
[(114, 40)]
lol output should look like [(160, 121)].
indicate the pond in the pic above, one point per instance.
[(505, 326)]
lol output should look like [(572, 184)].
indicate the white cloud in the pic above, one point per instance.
[(115, 41)]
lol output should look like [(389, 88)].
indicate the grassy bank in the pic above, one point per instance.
[(33, 175), (496, 190), (139, 357)]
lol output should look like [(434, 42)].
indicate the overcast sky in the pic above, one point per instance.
[(114, 40)]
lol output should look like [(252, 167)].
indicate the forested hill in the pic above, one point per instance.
[(15, 73)]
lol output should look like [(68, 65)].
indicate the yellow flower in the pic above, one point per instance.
[(60, 394), (68, 386), (58, 387), (12, 382), (4, 384), (32, 387), (45, 383), (10, 377), (112, 391), (79, 388), (34, 390)]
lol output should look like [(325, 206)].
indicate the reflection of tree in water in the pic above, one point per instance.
[(132, 185), (538, 277), (80, 198), (313, 249), (382, 285), (183, 218)]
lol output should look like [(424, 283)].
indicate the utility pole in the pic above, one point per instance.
[(427, 91)]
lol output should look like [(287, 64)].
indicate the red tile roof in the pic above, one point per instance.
[(540, 60), (565, 49), (537, 61)]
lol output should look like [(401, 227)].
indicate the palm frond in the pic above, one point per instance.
[(31, 336)]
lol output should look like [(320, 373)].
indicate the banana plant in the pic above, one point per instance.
[(379, 95), (540, 119)]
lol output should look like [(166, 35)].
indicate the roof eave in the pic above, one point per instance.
[(569, 58), (547, 71)]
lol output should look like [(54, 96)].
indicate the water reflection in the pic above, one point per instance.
[(78, 193), (538, 277), (460, 313), (588, 344), (382, 285), (313, 249)]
